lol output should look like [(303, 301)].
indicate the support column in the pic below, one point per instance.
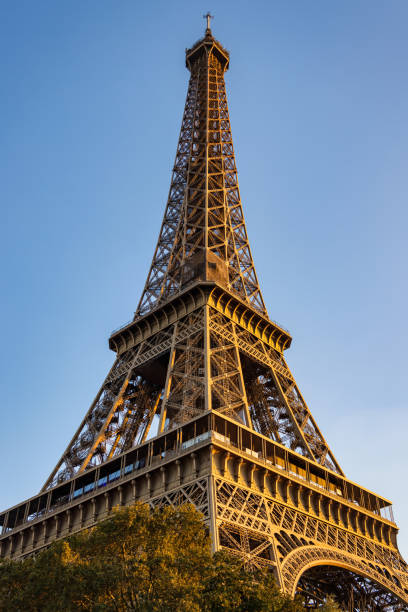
[(81, 515), (32, 537), (250, 474), (212, 511), (67, 523), (241, 380), (149, 485), (167, 386), (207, 358), (163, 479), (44, 533), (106, 496)]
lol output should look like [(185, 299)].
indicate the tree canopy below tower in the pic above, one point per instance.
[(140, 560)]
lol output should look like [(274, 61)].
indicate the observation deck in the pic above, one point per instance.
[(210, 446), (195, 295)]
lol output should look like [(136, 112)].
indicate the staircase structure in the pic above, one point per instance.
[(200, 405)]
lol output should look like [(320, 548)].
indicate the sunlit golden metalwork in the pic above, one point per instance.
[(200, 405)]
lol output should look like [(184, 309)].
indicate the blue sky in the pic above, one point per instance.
[(92, 95)]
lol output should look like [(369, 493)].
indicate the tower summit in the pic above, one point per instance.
[(200, 405)]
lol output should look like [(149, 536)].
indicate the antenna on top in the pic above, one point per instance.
[(208, 17)]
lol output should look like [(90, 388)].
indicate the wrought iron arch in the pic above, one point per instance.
[(300, 560)]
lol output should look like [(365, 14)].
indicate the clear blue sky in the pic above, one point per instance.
[(92, 95)]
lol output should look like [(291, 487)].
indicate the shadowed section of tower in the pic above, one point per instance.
[(203, 235)]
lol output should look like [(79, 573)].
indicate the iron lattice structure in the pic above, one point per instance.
[(200, 404)]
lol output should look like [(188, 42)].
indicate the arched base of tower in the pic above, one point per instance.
[(353, 593)]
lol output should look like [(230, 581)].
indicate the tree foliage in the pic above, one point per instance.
[(141, 561)]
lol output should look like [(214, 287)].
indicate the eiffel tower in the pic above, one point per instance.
[(201, 407)]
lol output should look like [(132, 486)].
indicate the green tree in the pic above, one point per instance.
[(141, 561), (330, 606), (229, 586)]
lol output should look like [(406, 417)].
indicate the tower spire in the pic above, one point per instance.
[(203, 235), (208, 17)]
